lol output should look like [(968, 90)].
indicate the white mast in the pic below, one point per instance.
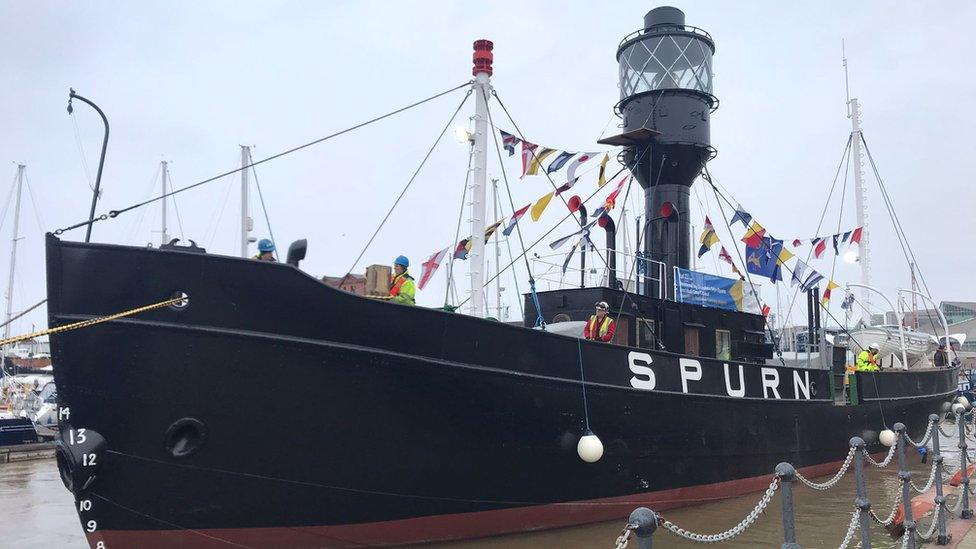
[(13, 254), (164, 238), (245, 220), (481, 89), (498, 254), (860, 198)]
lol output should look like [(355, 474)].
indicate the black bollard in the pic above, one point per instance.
[(943, 539), (787, 475), (644, 522), (906, 488), (862, 502), (967, 513)]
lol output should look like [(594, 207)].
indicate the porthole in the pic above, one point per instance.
[(185, 437), (182, 304)]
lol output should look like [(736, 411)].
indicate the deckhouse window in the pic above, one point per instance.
[(691, 341), (647, 334), (723, 345)]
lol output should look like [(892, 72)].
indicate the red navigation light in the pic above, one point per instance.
[(667, 210), (602, 222), (482, 57), (574, 203)]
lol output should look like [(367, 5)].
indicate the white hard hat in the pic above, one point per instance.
[(602, 305), (874, 347)]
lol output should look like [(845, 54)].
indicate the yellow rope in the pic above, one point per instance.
[(91, 321)]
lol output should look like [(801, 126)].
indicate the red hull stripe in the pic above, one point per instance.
[(443, 527)]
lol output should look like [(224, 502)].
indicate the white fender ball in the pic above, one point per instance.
[(589, 447), (958, 409), (965, 402), (887, 437)]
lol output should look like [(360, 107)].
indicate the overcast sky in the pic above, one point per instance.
[(189, 82)]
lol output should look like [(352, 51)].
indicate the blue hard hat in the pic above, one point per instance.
[(402, 260), (265, 245)]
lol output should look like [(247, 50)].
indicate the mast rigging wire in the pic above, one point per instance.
[(24, 312), (906, 247), (844, 156), (116, 213), (541, 238), (548, 177), (707, 176), (826, 310), (81, 153), (411, 180), (511, 203), (264, 209), (508, 244), (37, 213), (6, 205), (457, 231)]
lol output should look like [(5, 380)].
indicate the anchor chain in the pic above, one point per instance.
[(731, 532), (823, 487)]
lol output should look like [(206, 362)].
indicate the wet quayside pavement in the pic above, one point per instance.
[(38, 512)]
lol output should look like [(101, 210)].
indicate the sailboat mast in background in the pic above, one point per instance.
[(164, 168), (13, 254)]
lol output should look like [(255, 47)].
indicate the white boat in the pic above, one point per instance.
[(919, 346)]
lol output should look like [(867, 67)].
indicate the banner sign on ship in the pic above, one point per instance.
[(713, 291)]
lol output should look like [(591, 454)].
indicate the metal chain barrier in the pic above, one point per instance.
[(833, 481), (891, 516), (928, 484), (855, 516), (957, 506), (885, 462), (925, 438), (624, 538), (731, 532), (904, 540), (935, 524)]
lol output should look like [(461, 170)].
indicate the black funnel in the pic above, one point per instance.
[(666, 103), (664, 15)]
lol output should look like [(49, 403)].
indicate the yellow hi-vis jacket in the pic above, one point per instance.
[(403, 289), (866, 362)]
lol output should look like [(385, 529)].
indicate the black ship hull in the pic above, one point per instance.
[(276, 411)]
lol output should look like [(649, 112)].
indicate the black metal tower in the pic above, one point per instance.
[(666, 99)]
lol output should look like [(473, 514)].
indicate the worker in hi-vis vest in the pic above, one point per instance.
[(402, 288), (867, 360), (266, 249), (600, 327)]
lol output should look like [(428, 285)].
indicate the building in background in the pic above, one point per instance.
[(961, 316), (352, 283)]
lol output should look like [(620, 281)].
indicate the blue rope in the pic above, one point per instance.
[(540, 321)]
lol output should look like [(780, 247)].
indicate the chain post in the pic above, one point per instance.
[(967, 513), (787, 475), (906, 485), (644, 523), (943, 538), (862, 502)]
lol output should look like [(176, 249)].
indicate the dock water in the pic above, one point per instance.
[(34, 502)]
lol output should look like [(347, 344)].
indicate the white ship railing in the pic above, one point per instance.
[(548, 268)]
